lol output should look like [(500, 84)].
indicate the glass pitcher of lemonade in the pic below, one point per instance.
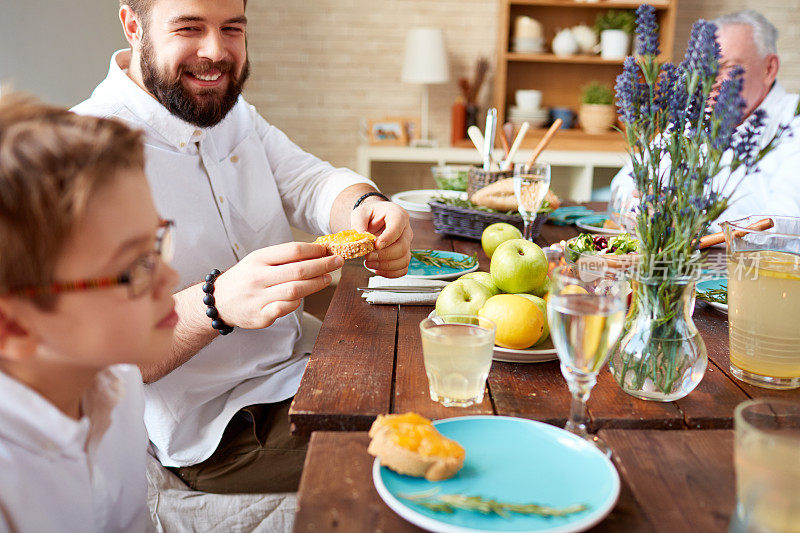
[(764, 301)]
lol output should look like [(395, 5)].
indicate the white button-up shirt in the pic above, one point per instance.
[(232, 189), (775, 188), (62, 474)]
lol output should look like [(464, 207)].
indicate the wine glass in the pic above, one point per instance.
[(586, 312), (531, 184), (622, 209)]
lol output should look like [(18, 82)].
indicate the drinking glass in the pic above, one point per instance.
[(586, 312), (621, 209), (764, 302), (531, 184), (767, 463), (457, 351)]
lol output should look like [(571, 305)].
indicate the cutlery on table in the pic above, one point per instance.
[(544, 142), (476, 136), (402, 288), (505, 137)]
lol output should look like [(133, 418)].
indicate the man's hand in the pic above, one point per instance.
[(389, 222), (271, 282)]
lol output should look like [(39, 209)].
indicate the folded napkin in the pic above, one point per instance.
[(403, 298), (564, 216)]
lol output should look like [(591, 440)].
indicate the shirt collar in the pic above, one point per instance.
[(146, 108), (32, 422)]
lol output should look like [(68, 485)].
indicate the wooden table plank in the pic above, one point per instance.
[(682, 480), (337, 494), (536, 390), (348, 380)]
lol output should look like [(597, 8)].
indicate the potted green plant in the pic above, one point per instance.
[(615, 27), (597, 112)]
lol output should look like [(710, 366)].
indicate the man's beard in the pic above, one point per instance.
[(207, 110)]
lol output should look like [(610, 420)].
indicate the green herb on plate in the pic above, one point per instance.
[(432, 258), (448, 503), (717, 296)]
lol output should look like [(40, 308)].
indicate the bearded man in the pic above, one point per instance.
[(748, 40), (216, 410)]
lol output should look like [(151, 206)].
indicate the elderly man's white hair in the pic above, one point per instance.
[(765, 35)]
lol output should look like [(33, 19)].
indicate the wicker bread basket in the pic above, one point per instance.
[(478, 178), (470, 223)]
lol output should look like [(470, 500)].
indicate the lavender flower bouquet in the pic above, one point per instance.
[(681, 128)]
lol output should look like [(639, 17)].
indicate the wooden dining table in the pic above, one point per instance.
[(367, 361)]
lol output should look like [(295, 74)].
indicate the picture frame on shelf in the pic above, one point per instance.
[(413, 126), (387, 132)]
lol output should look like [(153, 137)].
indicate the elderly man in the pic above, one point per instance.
[(216, 409), (748, 39)]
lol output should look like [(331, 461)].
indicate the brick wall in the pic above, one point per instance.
[(321, 67)]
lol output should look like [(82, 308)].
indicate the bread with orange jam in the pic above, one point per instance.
[(409, 444), (348, 243)]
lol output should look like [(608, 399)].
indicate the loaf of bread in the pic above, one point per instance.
[(348, 243), (410, 445), (500, 196)]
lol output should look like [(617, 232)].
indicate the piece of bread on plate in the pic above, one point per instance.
[(500, 196), (348, 244), (409, 444)]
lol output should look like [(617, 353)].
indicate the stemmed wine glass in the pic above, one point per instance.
[(586, 312), (531, 183)]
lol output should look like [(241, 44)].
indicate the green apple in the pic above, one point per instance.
[(518, 266), (542, 305), (496, 234), (484, 278), (462, 297), (544, 288)]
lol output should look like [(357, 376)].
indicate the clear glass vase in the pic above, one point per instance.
[(661, 355)]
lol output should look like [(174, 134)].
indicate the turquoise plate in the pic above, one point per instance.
[(421, 271), (512, 460), (594, 224), (711, 284)]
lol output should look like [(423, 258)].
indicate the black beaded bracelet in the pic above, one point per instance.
[(367, 195), (208, 287)]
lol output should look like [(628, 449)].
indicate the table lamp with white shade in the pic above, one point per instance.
[(425, 63)]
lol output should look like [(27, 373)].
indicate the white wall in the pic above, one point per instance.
[(57, 50)]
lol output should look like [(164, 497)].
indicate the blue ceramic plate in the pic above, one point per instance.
[(420, 271), (511, 460), (711, 284), (594, 224)]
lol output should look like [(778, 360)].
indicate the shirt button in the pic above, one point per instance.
[(221, 199), (234, 158), (197, 133), (182, 145), (236, 246)]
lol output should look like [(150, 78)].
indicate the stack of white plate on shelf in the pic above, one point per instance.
[(536, 117)]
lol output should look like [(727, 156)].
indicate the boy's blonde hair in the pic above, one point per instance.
[(51, 162)]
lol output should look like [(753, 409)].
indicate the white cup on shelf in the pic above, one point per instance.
[(528, 98)]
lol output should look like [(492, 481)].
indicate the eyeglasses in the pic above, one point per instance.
[(139, 276)]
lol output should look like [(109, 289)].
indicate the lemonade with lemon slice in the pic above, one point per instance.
[(764, 315)]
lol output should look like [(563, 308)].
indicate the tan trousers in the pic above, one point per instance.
[(256, 455)]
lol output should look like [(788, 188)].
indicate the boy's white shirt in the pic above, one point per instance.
[(62, 474), (775, 188), (232, 189)]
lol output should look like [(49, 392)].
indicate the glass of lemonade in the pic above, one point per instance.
[(457, 350), (531, 184), (586, 312), (764, 302), (767, 462)]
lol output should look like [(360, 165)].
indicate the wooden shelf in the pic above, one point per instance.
[(572, 139), (600, 4), (552, 58)]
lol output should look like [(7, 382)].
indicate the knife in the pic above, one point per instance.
[(404, 288), (488, 139)]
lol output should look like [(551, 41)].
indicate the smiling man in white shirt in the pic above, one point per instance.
[(748, 39), (234, 184)]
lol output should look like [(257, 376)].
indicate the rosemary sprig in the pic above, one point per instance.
[(432, 258), (718, 296), (448, 503)]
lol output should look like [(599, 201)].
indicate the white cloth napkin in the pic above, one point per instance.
[(403, 298)]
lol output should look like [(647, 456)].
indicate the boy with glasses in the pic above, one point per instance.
[(85, 296)]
